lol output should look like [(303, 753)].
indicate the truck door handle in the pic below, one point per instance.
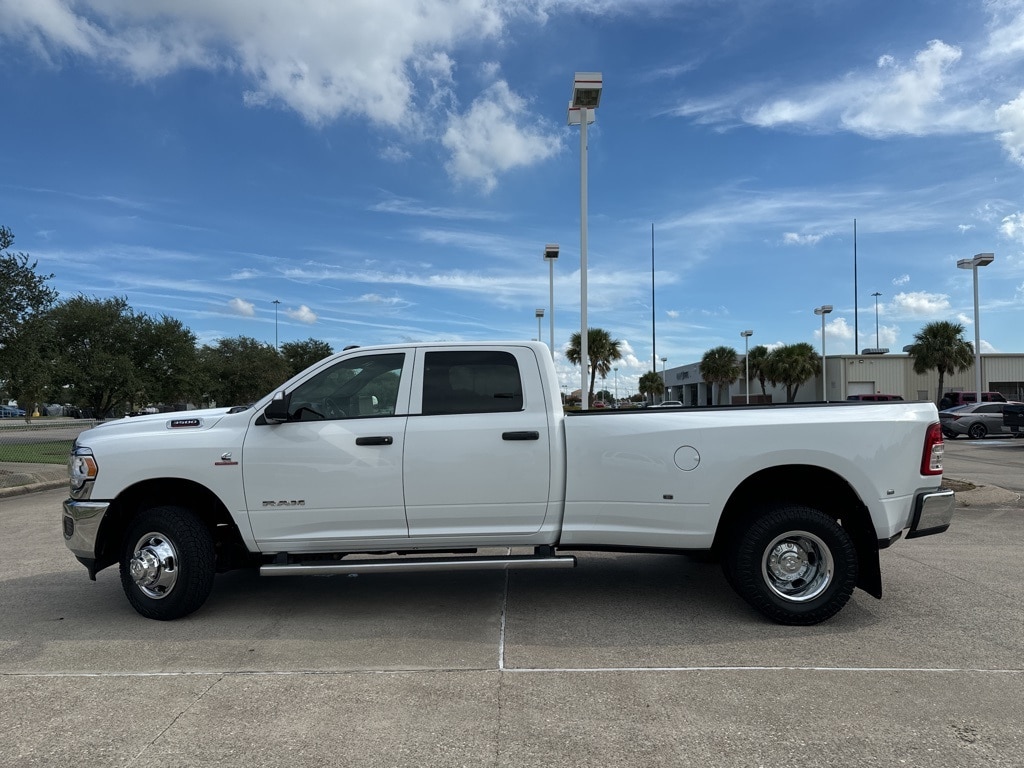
[(377, 440), (527, 435)]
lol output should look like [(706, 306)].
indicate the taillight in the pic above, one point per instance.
[(931, 460)]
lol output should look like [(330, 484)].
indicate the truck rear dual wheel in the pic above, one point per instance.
[(794, 564), (167, 563)]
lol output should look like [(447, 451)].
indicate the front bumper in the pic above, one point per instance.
[(81, 523), (933, 512)]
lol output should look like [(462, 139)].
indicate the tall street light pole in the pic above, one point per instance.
[(979, 260), (540, 316), (276, 345), (876, 294), (616, 386), (551, 256), (746, 358), (823, 310), (586, 97)]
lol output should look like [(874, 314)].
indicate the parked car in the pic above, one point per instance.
[(1013, 418), (10, 412), (976, 420), (875, 398), (668, 404), (953, 399)]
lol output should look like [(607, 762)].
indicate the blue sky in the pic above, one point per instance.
[(391, 171)]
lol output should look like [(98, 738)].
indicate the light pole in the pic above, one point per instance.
[(746, 358), (551, 256), (276, 345), (664, 383), (823, 310), (586, 97), (979, 260), (540, 316), (616, 386), (876, 294)]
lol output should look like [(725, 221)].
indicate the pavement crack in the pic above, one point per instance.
[(174, 720)]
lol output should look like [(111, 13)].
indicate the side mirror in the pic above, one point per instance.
[(277, 410)]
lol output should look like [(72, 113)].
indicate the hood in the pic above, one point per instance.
[(190, 421)]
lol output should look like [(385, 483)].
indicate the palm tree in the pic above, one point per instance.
[(941, 345), (651, 384), (602, 351), (758, 358), (792, 365), (720, 366)]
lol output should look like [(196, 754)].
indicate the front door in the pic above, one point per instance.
[(333, 471)]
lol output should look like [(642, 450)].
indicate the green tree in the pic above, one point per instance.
[(240, 370), (651, 384), (721, 366), (109, 358), (941, 345), (602, 351), (758, 358), (24, 297), (791, 365), (299, 355), (23, 291)]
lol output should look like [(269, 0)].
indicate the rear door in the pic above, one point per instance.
[(477, 447)]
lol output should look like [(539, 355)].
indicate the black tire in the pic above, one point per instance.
[(167, 563), (794, 564), (949, 434), (977, 431)]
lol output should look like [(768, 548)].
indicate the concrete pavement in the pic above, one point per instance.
[(627, 660)]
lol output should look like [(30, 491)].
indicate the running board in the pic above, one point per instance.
[(496, 563)]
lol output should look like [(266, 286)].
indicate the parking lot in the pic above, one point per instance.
[(626, 660)]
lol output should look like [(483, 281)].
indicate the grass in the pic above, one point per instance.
[(50, 452)]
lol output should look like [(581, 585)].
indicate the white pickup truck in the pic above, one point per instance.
[(419, 456)]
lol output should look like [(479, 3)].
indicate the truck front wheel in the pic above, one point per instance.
[(167, 563), (794, 564)]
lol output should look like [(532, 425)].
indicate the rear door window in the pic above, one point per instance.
[(486, 381)]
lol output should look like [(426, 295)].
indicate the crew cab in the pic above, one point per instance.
[(416, 457)]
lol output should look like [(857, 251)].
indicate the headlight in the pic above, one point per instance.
[(82, 470)]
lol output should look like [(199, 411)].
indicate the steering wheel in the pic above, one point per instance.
[(332, 409)]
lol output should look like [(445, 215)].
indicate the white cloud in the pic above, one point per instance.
[(1012, 226), (245, 274), (242, 307), (894, 100), (901, 280), (303, 314), (987, 348), (497, 134), (837, 329), (965, 228), (320, 58), (920, 303), (794, 238), (1006, 39), (964, 319), (1010, 119), (673, 313)]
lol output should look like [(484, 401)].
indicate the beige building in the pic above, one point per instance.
[(845, 375)]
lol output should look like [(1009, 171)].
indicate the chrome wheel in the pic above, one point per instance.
[(154, 566), (797, 566)]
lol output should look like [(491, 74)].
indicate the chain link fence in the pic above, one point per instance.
[(43, 441)]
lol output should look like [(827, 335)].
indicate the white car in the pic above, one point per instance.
[(668, 404)]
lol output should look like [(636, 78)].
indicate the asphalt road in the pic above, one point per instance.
[(628, 660), (990, 461)]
